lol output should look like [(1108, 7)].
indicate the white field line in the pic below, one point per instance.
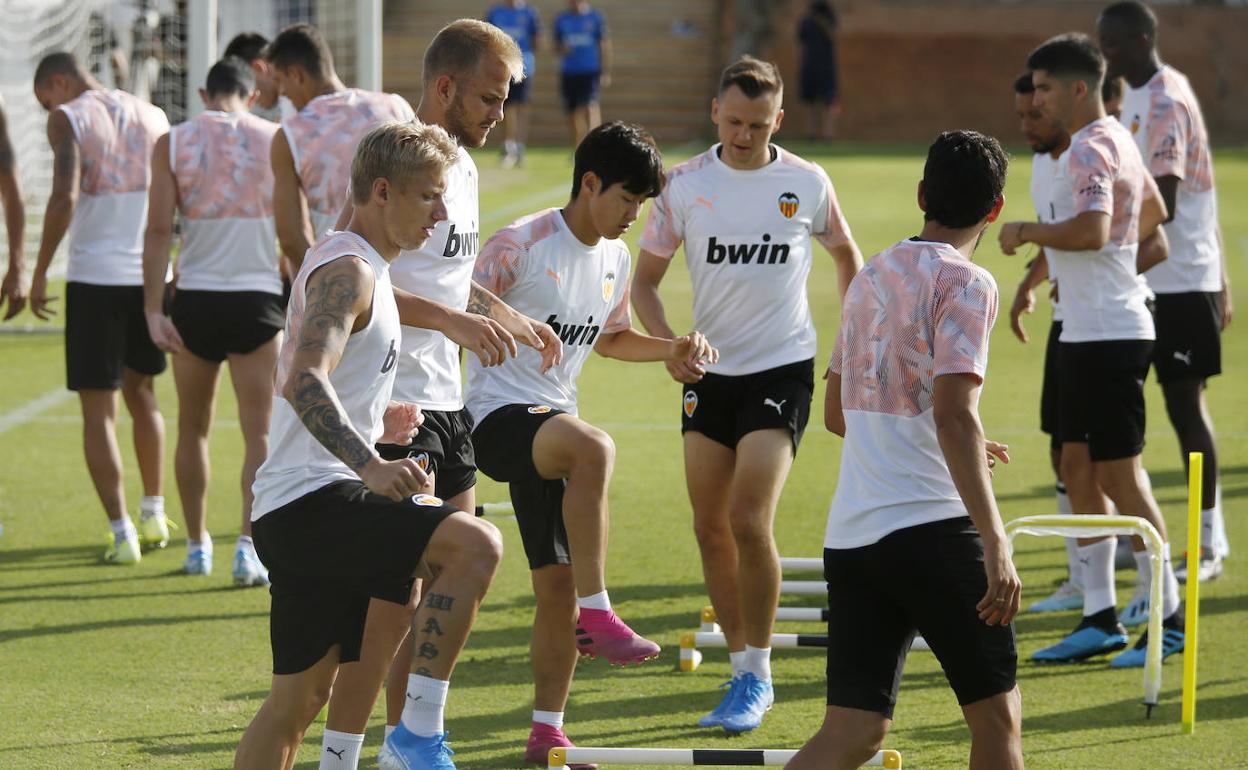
[(31, 411)]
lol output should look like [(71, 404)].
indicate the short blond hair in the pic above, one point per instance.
[(460, 46), (399, 152)]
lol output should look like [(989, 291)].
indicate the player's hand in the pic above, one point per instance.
[(395, 479), (542, 338), (1000, 602), (1008, 237), (163, 333), (482, 336), (996, 452), (400, 423), (693, 348), (605, 80), (39, 299), (1228, 308), (15, 289), (1024, 302), (685, 372)]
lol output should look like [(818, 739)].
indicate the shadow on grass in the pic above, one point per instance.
[(98, 625)]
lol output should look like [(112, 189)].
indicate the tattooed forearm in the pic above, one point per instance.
[(310, 394), (481, 302)]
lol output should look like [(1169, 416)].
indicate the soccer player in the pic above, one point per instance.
[(1111, 94), (522, 22), (569, 266), (269, 104), (1193, 289), (745, 210), (14, 288), (583, 41), (214, 171), (101, 150), (914, 539), (312, 153), (1107, 337), (334, 522)]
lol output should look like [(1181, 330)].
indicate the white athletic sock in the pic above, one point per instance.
[(245, 543), (1063, 501), (1170, 584), (1072, 562), (1097, 562), (123, 529), (390, 729), (341, 751), (1143, 569), (151, 504), (552, 718), (598, 601), (426, 702), (737, 659), (758, 662), (199, 545)]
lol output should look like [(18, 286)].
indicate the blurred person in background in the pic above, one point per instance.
[(522, 22), (820, 82), (583, 41)]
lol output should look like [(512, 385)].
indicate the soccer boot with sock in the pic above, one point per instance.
[(247, 570), (125, 551), (543, 738), (1124, 557), (753, 699), (1068, 596), (1210, 566), (1136, 611), (1172, 640), (198, 562), (716, 717), (154, 529), (405, 750), (601, 633), (1095, 635)]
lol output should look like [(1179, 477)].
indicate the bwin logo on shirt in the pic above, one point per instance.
[(461, 244), (575, 334), (392, 356), (765, 253)]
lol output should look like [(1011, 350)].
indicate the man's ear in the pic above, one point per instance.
[(921, 193), (996, 208)]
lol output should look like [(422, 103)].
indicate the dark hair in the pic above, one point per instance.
[(620, 152), (247, 46), (963, 177), (58, 63), (301, 45), (824, 9), (229, 76), (1024, 85), (1111, 89), (754, 77), (1135, 17), (1070, 56)]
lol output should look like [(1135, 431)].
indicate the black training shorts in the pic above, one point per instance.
[(1189, 336), (105, 334), (724, 408), (443, 447), (1102, 396), (1050, 388), (217, 324)]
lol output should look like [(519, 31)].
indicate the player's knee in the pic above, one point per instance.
[(751, 531), (595, 453), (484, 547), (712, 533), (293, 711)]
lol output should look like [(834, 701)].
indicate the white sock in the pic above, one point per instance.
[(199, 545), (1170, 584), (123, 529), (341, 751), (758, 662), (1219, 523), (552, 718), (245, 543), (737, 659), (390, 729), (598, 601), (1144, 569), (1098, 576), (151, 504), (1072, 562), (426, 702)]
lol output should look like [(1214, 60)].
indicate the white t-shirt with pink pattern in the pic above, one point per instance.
[(537, 266), (747, 245), (1165, 119), (220, 161), (115, 133), (323, 137), (917, 311)]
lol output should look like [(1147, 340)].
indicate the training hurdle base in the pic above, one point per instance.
[(560, 758)]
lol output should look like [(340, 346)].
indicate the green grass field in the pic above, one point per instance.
[(143, 667)]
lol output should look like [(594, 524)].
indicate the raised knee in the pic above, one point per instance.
[(484, 547), (595, 453)]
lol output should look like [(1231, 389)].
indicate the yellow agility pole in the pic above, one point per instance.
[(1195, 477)]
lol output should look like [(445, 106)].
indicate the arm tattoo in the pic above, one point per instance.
[(439, 602), (481, 302), (428, 651), (314, 401), (64, 159)]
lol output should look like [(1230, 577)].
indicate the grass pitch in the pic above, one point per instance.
[(143, 667)]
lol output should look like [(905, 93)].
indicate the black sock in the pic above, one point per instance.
[(1105, 620)]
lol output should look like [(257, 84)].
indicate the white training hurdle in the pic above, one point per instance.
[(801, 565), (560, 758), (691, 656)]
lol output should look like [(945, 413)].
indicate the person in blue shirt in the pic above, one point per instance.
[(583, 42), (522, 22)]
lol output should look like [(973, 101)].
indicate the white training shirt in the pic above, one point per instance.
[(363, 380), (220, 162), (747, 245), (918, 310), (541, 269), (115, 133), (1053, 198), (1102, 297), (441, 271), (1165, 120)]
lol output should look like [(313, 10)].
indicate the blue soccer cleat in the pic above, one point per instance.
[(752, 700), (1136, 611), (1068, 596), (1085, 642), (248, 571), (1172, 641), (716, 717), (198, 562), (405, 750)]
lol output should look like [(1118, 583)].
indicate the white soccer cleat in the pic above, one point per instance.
[(1210, 568), (1068, 596), (125, 552), (248, 571)]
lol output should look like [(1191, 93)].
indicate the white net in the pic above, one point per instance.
[(334, 18)]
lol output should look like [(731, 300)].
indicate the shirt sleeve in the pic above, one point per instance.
[(965, 310), (556, 29), (838, 351), (499, 264), (1093, 176), (1169, 133), (665, 227), (621, 318), (406, 113), (828, 224)]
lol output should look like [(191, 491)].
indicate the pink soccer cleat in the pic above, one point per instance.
[(543, 738), (602, 633)]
